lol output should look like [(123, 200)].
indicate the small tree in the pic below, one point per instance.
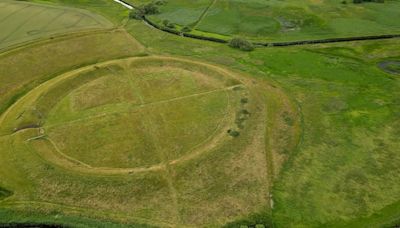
[(168, 24), (241, 44), (150, 9), (186, 29), (136, 14), (233, 133)]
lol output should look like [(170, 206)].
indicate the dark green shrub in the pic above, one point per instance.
[(147, 9), (168, 24), (136, 14), (244, 100), (4, 193), (150, 9), (241, 44), (186, 29), (233, 133)]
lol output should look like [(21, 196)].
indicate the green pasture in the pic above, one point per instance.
[(344, 172), (277, 20), (141, 151), (183, 12), (23, 22), (134, 127), (67, 53)]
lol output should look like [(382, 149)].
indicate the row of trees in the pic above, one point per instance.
[(153, 8), (146, 9), (361, 1)]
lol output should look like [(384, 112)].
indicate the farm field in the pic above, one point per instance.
[(125, 125), (277, 20), (22, 21)]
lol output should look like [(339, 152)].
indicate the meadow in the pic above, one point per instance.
[(130, 126), (277, 20), (91, 119)]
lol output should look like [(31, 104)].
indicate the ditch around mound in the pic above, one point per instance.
[(131, 115)]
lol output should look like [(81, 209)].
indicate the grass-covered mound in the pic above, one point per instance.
[(158, 140)]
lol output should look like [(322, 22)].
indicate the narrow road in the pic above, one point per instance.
[(263, 44), (124, 4)]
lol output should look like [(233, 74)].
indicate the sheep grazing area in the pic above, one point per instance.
[(108, 121), (277, 20)]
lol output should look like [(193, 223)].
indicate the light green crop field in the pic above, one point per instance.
[(118, 124), (277, 20), (22, 21)]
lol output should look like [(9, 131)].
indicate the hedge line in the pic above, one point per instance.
[(267, 44), (329, 40), (31, 225), (184, 34)]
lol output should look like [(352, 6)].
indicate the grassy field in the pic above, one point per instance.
[(68, 52), (23, 22), (171, 147), (350, 116), (139, 128), (277, 20)]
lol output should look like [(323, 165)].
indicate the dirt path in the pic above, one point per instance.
[(126, 5)]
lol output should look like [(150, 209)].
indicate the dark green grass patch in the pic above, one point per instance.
[(4, 193), (285, 20), (390, 66)]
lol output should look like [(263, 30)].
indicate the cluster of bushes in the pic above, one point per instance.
[(241, 44), (362, 1), (153, 8), (168, 24), (146, 9), (241, 117)]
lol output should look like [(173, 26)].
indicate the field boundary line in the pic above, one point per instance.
[(204, 14), (269, 44)]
